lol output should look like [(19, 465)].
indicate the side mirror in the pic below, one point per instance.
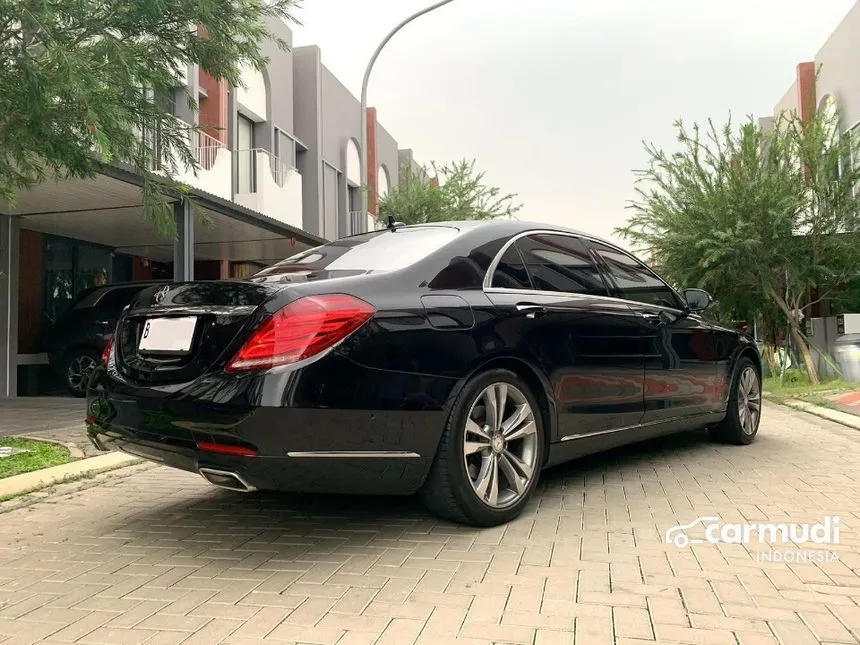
[(698, 299)]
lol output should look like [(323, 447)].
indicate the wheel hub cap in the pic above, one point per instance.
[(498, 444), (749, 400), (500, 448)]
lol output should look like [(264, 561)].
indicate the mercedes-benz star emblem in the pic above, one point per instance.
[(159, 295)]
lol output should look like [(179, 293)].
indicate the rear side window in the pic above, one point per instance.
[(633, 280), (375, 251), (561, 263), (511, 272)]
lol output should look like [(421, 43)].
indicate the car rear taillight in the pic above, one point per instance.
[(300, 330), (106, 354)]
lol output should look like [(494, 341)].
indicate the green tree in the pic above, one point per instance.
[(763, 218), (455, 192), (83, 82)]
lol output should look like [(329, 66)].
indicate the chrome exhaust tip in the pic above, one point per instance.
[(226, 479)]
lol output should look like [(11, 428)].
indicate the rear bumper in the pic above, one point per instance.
[(297, 449), (369, 473)]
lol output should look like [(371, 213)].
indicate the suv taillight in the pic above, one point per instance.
[(302, 329), (106, 354)]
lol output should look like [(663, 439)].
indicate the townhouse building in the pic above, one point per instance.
[(279, 173), (829, 81)]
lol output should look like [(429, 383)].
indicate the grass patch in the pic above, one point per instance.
[(39, 455), (820, 401), (796, 384)]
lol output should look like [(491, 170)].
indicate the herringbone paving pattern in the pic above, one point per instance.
[(157, 556)]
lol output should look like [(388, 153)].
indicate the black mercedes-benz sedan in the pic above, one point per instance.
[(453, 360)]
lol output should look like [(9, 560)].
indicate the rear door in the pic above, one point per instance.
[(679, 348), (555, 301)]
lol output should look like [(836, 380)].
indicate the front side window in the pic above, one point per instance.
[(634, 281), (561, 263)]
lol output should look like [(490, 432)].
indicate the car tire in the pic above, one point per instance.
[(73, 378), (739, 427), (458, 476)]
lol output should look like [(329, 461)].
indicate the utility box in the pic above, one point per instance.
[(847, 353)]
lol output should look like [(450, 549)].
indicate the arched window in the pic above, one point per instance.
[(383, 182), (353, 163)]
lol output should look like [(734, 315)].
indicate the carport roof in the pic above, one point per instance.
[(107, 210)]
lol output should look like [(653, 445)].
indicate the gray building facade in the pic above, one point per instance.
[(328, 123)]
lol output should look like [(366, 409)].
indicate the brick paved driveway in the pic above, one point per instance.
[(156, 556)]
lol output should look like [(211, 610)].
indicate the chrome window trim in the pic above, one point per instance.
[(488, 277), (581, 296)]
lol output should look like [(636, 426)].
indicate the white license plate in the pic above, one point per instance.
[(167, 334)]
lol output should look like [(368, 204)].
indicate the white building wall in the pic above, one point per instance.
[(788, 103), (278, 194), (252, 98), (838, 62), (215, 174)]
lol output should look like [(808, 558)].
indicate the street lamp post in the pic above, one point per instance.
[(363, 142)]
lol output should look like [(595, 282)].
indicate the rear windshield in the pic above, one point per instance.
[(87, 298), (375, 251)]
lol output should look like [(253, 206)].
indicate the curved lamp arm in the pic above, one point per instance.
[(363, 143)]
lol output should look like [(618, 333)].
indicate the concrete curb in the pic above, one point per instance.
[(844, 418), (38, 479), (74, 451)]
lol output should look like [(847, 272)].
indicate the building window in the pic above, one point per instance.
[(70, 267), (245, 154), (285, 148)]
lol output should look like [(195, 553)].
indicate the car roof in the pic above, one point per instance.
[(510, 227)]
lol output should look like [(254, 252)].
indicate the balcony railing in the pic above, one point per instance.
[(205, 148), (247, 163)]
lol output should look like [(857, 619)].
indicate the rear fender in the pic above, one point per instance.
[(532, 375)]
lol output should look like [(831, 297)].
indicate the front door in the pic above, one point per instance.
[(588, 344), (679, 347)]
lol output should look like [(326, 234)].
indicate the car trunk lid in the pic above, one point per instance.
[(176, 332)]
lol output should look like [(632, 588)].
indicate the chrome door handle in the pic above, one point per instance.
[(531, 310), (652, 318)]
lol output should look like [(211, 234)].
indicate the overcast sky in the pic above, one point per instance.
[(554, 97)]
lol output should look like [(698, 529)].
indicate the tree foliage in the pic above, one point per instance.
[(84, 81), (764, 218), (455, 192)]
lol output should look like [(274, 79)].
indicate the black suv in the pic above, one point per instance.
[(77, 339)]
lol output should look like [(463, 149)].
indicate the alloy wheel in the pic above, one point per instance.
[(500, 445), (749, 400), (79, 370)]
